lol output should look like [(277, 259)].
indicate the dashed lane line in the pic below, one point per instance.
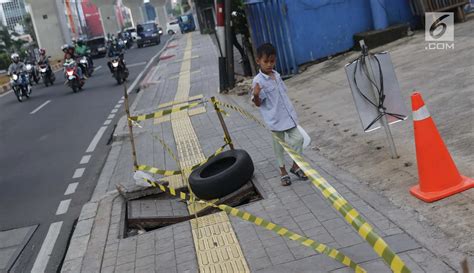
[(78, 173), (63, 207), (39, 107), (96, 139), (71, 188), (85, 159)]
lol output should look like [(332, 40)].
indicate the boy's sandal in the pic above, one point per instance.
[(285, 180), (298, 172)]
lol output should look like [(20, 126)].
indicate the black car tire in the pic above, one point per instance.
[(170, 32), (222, 175)]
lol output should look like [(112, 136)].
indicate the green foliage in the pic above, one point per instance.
[(239, 21), (4, 61)]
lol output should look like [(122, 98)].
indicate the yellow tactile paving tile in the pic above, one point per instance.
[(176, 181), (216, 244)]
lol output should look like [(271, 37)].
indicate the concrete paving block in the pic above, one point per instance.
[(401, 242), (89, 210), (256, 264), (426, 261), (83, 228), (125, 268), (77, 248), (125, 259), (146, 269), (109, 269), (300, 251), (72, 266), (188, 267), (311, 264), (145, 261), (161, 269), (360, 253)]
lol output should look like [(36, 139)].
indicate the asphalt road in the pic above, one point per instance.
[(42, 143)]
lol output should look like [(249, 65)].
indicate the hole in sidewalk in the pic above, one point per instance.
[(161, 210)]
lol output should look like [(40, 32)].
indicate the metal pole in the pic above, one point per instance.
[(130, 127), (386, 126), (221, 119), (228, 44)]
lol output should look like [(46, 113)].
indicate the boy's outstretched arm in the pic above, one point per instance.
[(256, 95)]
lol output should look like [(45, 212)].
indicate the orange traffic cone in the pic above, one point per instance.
[(439, 177)]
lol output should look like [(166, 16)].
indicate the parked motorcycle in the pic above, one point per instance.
[(46, 74), (72, 76), (119, 71), (32, 72), (20, 86)]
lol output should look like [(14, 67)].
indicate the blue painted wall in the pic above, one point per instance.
[(320, 28)]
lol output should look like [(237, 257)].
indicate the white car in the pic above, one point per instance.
[(172, 27)]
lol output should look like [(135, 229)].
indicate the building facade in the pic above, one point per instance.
[(12, 12)]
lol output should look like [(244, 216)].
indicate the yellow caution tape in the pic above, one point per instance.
[(163, 112), (318, 247), (351, 216), (154, 170)]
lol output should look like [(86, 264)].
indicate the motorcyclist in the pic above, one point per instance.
[(115, 50), (69, 57), (69, 49), (18, 67), (43, 59), (82, 49)]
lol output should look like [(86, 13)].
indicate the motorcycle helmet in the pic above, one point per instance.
[(42, 51), (80, 42), (65, 47), (15, 57)]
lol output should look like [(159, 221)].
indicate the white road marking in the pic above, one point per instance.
[(63, 207), (137, 64), (85, 159), (114, 111), (39, 107), (111, 116), (78, 173), (71, 188), (47, 248), (107, 122), (6, 93), (97, 68), (117, 106), (96, 139), (121, 101)]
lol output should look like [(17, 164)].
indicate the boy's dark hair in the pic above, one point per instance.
[(266, 49)]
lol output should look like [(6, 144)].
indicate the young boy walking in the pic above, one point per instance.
[(269, 93)]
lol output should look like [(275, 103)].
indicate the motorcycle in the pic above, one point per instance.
[(32, 72), (20, 86), (119, 71), (86, 65), (72, 76), (46, 74)]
